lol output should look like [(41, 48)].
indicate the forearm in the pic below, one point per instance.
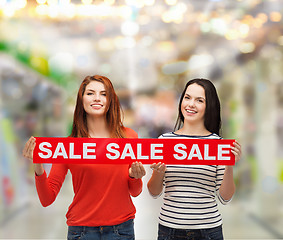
[(38, 169), (45, 192), (49, 187), (155, 184), (227, 188)]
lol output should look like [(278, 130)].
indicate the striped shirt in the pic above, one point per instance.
[(190, 193)]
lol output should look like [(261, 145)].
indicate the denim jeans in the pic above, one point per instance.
[(123, 231), (166, 233)]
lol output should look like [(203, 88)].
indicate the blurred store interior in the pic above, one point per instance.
[(149, 49)]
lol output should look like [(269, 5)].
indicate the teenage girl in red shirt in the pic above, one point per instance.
[(102, 207)]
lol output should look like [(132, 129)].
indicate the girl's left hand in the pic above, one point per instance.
[(136, 170), (236, 150)]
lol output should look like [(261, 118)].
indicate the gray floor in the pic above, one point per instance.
[(32, 221)]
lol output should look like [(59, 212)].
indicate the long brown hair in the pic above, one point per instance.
[(113, 114)]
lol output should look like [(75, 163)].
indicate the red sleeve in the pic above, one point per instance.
[(49, 187), (135, 186)]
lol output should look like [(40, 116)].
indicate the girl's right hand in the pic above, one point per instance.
[(28, 149), (28, 153)]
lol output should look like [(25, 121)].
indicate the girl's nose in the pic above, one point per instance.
[(191, 103), (96, 97)]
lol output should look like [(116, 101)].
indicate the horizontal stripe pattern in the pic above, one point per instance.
[(190, 193)]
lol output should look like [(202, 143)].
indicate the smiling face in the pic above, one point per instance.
[(194, 104), (94, 99)]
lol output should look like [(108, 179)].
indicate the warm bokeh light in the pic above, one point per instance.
[(263, 17), (20, 4), (248, 19), (106, 44), (231, 34), (247, 47), (87, 2), (244, 30), (124, 12), (52, 2), (280, 40), (171, 2), (257, 23), (175, 14), (9, 12), (149, 2), (166, 46), (53, 11), (41, 10), (129, 28), (218, 26), (65, 2), (69, 11), (41, 1), (109, 2), (275, 16)]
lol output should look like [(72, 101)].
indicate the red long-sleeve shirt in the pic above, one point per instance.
[(102, 192)]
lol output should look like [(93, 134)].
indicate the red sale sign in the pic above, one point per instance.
[(128, 150)]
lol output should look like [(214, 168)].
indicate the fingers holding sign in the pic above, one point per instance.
[(28, 149), (236, 150), (28, 153), (136, 170)]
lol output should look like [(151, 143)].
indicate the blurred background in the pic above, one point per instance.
[(149, 49)]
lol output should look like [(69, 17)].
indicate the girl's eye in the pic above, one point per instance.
[(89, 93)]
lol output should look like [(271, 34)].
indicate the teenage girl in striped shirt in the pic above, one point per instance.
[(189, 209)]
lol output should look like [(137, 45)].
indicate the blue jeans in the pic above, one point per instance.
[(123, 231), (166, 233)]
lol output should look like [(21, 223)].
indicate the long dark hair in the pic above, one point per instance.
[(113, 115), (212, 118)]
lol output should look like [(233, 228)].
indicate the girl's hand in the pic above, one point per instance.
[(155, 183), (28, 153), (236, 150), (158, 168), (136, 170), (28, 149)]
